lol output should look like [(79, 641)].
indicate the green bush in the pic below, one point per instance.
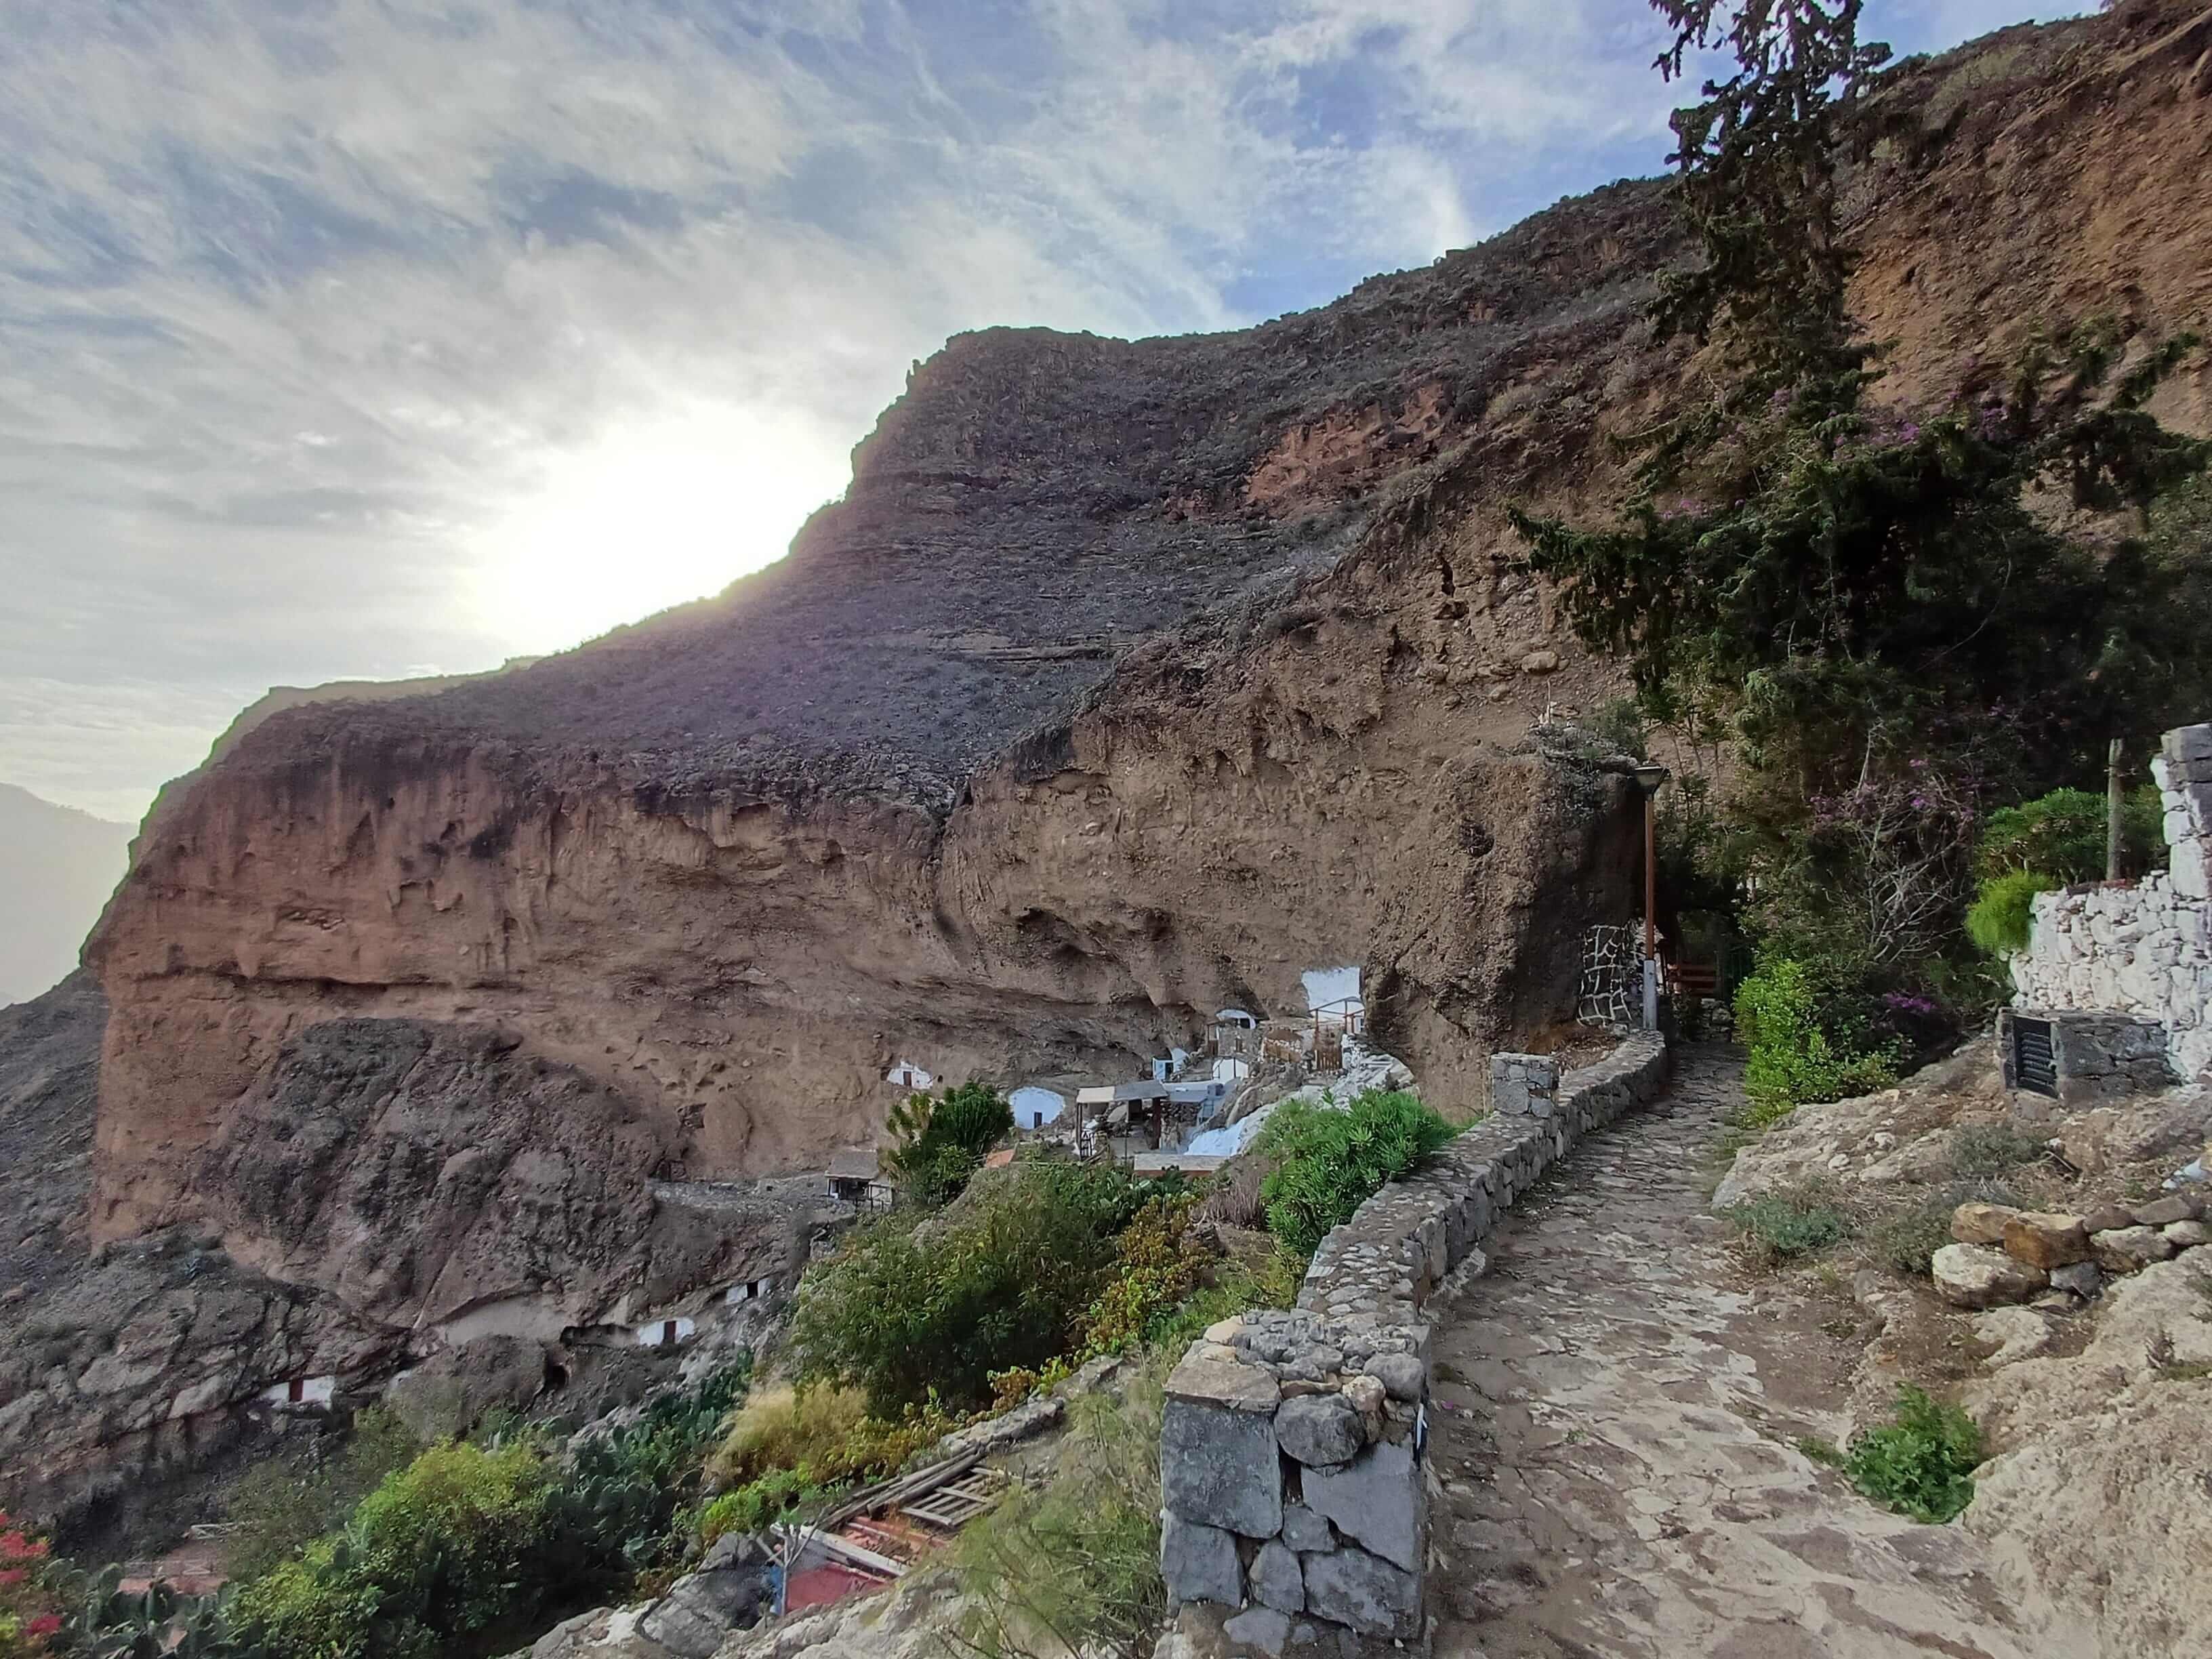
[(912, 1309), (1795, 1222), (1794, 1058), (1328, 1162), (469, 1539), (2001, 916), (754, 1506), (2062, 835), (940, 1143), (440, 1551), (1923, 1463), (283, 1504)]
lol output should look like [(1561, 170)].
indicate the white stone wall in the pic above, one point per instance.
[(2144, 950)]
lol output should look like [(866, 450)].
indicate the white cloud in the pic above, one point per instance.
[(317, 316)]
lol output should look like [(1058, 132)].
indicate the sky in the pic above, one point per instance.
[(370, 338)]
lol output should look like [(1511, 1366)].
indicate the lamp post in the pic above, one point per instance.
[(1650, 776)]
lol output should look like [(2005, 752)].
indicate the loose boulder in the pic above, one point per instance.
[(2129, 1249), (1981, 1224), (2045, 1240), (1982, 1276)]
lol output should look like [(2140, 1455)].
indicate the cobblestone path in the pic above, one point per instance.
[(1614, 1461)]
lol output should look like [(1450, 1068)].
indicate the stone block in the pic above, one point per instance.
[(1208, 1379), (1277, 1580), (1262, 1628), (2161, 1211), (2045, 1240), (1304, 1531), (1221, 1467), (1402, 1375), (2185, 1235), (1320, 1429), (1198, 1562), (1980, 1224), (1378, 1499), (2082, 1277), (1980, 1276), (1372, 1596), (2129, 1249)]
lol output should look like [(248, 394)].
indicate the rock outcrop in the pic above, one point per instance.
[(1129, 679)]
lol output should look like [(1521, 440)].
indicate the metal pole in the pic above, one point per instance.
[(2112, 815), (1651, 910)]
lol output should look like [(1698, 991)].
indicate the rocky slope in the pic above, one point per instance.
[(1128, 679)]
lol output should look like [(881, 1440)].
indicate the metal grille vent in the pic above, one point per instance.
[(2034, 1066)]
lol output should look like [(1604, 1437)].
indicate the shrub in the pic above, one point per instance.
[(2002, 917), (758, 1505), (1793, 1059), (1076, 1566), (940, 1143), (30, 1613), (1330, 1161), (2061, 836), (822, 1434), (1781, 1226), (1905, 1243), (1989, 1149), (283, 1504), (997, 1283), (440, 1551), (1923, 1463)]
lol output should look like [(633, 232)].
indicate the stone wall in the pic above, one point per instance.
[(2094, 1057), (1291, 1448), (2144, 949)]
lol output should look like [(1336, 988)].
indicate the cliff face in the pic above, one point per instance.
[(1129, 680)]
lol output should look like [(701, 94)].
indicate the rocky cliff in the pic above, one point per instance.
[(1128, 679)]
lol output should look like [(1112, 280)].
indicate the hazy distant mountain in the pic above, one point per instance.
[(57, 865)]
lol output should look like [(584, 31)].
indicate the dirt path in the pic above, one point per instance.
[(1615, 1440)]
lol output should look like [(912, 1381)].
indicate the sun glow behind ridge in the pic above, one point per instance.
[(650, 514)]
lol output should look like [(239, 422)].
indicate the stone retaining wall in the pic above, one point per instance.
[(1292, 1447), (2144, 949)]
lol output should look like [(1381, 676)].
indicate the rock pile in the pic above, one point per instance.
[(2006, 1255)]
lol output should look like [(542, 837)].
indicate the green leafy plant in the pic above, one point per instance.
[(1328, 1162), (283, 1503), (938, 1144), (1921, 1464), (1794, 1058), (2001, 916), (753, 1507), (2061, 834), (158, 1622), (911, 1311), (440, 1551)]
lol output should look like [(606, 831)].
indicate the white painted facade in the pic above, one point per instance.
[(907, 1075), (300, 1393), (1231, 1069), (748, 1289), (1238, 1016), (1034, 1106), (665, 1333)]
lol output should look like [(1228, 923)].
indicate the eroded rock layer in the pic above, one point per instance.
[(1128, 680)]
